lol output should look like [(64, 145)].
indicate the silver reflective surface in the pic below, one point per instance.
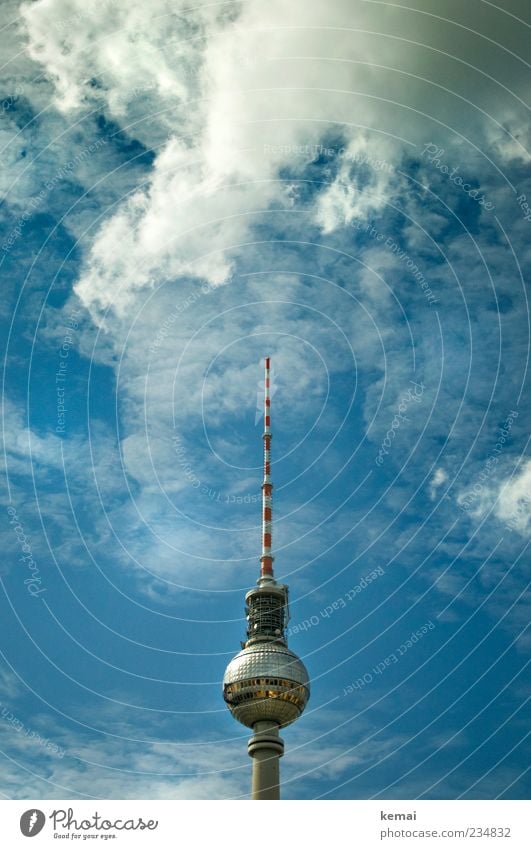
[(266, 681)]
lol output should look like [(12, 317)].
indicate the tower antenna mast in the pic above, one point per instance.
[(266, 559)]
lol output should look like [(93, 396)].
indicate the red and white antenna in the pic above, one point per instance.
[(266, 559)]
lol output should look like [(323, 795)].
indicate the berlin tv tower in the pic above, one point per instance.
[(266, 686)]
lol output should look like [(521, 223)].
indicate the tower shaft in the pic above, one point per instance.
[(265, 747)]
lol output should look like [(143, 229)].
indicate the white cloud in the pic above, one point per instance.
[(115, 52), (106, 768), (179, 226), (10, 685), (507, 497), (439, 477), (226, 97), (513, 505), (363, 184), (23, 446), (234, 94)]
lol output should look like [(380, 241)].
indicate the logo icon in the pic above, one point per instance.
[(32, 822)]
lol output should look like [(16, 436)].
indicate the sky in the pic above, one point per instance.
[(345, 187)]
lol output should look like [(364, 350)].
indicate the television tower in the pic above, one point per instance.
[(266, 686)]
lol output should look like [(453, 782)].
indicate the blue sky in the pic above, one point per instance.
[(185, 191)]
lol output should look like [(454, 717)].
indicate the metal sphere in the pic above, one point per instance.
[(266, 681)]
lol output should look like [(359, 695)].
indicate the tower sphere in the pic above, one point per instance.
[(266, 681)]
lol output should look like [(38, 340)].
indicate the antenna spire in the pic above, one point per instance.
[(266, 559)]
